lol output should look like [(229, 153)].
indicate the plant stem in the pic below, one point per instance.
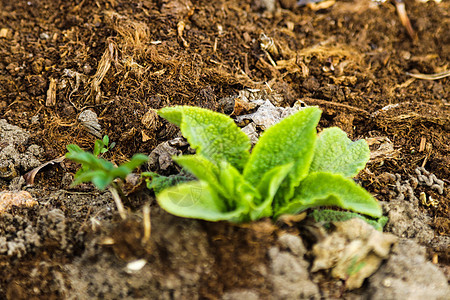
[(121, 193), (147, 223), (116, 197)]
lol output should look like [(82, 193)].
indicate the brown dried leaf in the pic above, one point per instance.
[(29, 177)]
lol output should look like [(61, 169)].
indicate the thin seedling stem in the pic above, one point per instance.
[(118, 201), (147, 223)]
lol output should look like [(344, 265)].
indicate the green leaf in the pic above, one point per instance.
[(201, 168), (239, 193), (158, 183), (326, 216), (135, 161), (74, 149), (102, 180), (98, 147), (337, 154), (267, 188), (88, 160), (325, 189), (124, 169), (214, 135), (99, 178), (196, 200), (291, 140)]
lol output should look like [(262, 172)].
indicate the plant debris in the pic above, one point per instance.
[(353, 252)]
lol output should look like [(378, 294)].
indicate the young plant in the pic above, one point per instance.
[(102, 146), (289, 170), (101, 172)]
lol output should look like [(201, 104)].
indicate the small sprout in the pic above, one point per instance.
[(102, 146), (101, 172)]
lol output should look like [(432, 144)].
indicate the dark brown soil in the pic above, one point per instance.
[(123, 58)]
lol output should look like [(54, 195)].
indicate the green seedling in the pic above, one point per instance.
[(289, 170), (101, 172), (102, 146)]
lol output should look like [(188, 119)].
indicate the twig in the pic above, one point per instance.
[(401, 11), (435, 76)]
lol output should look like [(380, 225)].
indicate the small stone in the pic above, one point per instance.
[(8, 199), (408, 275), (293, 243), (37, 65), (5, 33), (311, 84)]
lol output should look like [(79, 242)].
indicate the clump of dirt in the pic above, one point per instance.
[(391, 281), (185, 259), (246, 246), (16, 155), (34, 245)]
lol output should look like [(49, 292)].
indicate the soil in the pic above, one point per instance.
[(121, 59)]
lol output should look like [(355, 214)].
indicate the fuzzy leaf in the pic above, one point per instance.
[(326, 216), (196, 200), (337, 154), (215, 136), (201, 168), (325, 189), (267, 188), (239, 193), (291, 140), (158, 183)]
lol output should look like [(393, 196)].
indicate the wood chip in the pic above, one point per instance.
[(150, 119), (51, 93), (423, 141)]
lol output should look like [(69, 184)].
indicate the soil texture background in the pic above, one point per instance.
[(124, 59)]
